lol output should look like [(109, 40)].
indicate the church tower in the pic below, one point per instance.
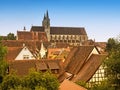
[(46, 25)]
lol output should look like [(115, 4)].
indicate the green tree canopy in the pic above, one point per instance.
[(3, 64), (33, 81), (43, 80), (10, 81), (113, 61), (11, 36)]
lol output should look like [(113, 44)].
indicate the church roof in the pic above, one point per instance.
[(61, 30), (67, 30), (37, 29)]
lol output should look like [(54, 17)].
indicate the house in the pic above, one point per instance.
[(81, 64), (21, 50), (22, 67), (60, 53), (25, 54), (19, 53)]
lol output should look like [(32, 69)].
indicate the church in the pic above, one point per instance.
[(46, 33)]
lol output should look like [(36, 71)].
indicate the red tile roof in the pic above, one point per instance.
[(61, 30), (77, 62), (37, 29), (68, 85), (89, 68), (12, 53), (27, 35), (67, 31), (24, 35), (78, 58), (22, 67)]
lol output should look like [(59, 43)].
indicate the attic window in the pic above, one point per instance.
[(25, 56), (25, 48)]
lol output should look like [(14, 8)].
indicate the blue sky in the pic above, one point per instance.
[(101, 18)]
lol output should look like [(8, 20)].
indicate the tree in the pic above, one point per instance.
[(43, 81), (11, 36), (103, 86), (10, 81), (33, 81), (113, 62), (3, 64), (3, 50)]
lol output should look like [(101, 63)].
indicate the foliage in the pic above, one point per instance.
[(113, 62), (103, 86), (82, 83), (10, 81), (3, 50), (3, 64), (45, 81), (33, 81), (11, 36), (3, 68)]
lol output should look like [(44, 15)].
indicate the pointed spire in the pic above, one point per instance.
[(47, 16), (44, 17), (24, 28)]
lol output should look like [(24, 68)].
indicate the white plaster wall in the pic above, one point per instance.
[(94, 51), (23, 52)]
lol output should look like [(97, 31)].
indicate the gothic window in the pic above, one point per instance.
[(63, 37), (59, 37), (51, 37)]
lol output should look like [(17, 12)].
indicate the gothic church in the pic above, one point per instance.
[(70, 35)]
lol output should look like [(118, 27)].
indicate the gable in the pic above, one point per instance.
[(24, 54), (78, 58), (90, 67), (94, 51)]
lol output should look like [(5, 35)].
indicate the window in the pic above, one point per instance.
[(25, 56)]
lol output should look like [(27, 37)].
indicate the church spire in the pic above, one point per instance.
[(44, 17), (46, 24), (47, 16), (46, 20)]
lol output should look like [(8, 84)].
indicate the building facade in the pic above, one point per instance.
[(70, 35)]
